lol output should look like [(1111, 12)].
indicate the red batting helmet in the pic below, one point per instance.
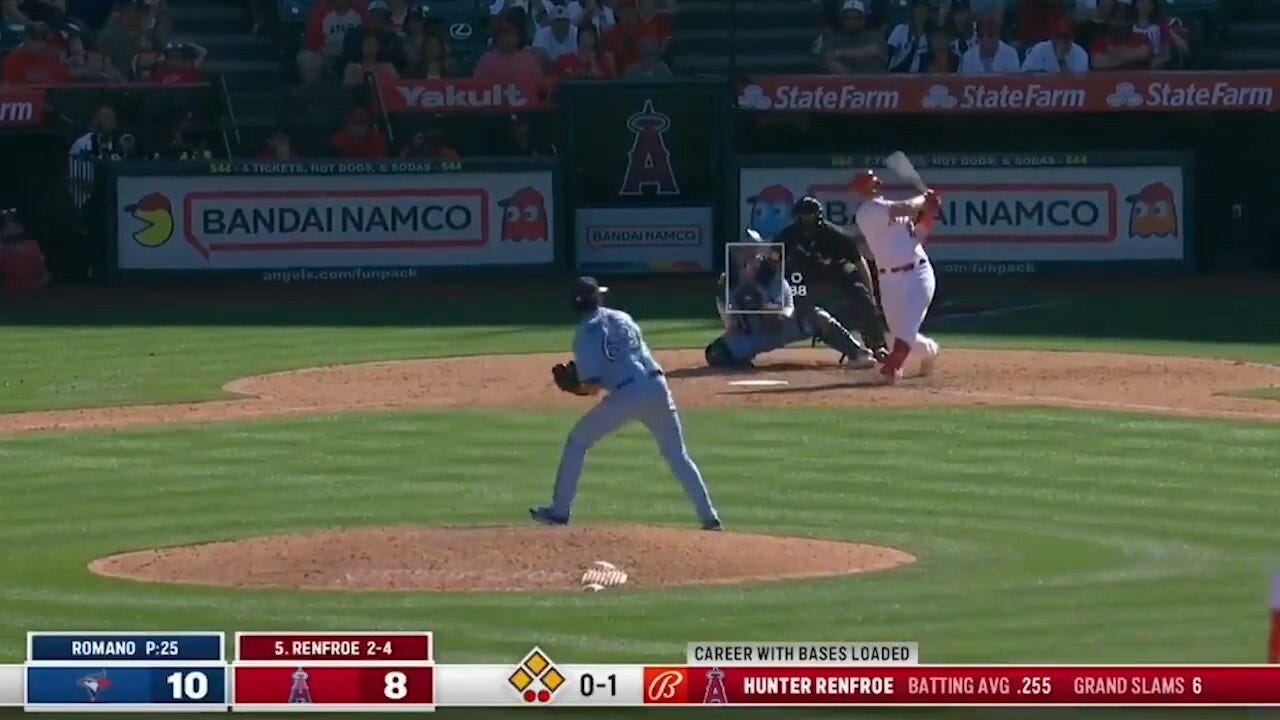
[(866, 183)]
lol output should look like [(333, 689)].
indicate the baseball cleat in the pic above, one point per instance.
[(929, 363), (543, 515), (890, 377), (864, 360), (713, 526)]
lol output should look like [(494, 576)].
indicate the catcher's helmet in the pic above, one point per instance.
[(586, 294), (807, 206)]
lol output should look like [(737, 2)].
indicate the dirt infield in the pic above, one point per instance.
[(498, 559), (1100, 381)]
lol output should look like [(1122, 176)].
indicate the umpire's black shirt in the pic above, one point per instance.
[(818, 251)]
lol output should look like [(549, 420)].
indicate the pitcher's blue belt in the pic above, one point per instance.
[(628, 381)]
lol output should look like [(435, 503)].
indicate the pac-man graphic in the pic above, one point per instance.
[(156, 214), (771, 210), (1153, 212), (524, 216)]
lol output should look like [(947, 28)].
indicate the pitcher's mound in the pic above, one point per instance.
[(497, 559)]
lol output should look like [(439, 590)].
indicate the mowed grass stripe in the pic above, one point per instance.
[(1002, 533)]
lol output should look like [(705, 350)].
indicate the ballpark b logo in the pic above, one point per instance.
[(649, 160), (665, 686)]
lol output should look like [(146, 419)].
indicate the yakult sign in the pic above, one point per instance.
[(993, 211), (393, 220), (462, 95)]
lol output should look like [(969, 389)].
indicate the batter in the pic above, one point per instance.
[(895, 232)]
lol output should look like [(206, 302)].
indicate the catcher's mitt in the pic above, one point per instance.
[(566, 378), (748, 297)]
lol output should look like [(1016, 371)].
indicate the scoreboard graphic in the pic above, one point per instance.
[(396, 671)]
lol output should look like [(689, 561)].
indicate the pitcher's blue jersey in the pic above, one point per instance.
[(610, 351)]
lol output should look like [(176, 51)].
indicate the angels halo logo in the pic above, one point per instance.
[(649, 160)]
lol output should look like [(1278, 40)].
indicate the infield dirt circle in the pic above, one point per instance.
[(527, 558)]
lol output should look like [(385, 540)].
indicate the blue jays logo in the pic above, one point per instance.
[(95, 684)]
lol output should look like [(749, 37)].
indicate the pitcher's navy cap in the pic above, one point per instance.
[(587, 287)]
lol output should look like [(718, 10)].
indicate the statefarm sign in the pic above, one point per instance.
[(21, 108), (463, 95), (1102, 92)]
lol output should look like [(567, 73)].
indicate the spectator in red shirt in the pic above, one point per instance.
[(1037, 20), (180, 64), (507, 62), (22, 266), (590, 61), (360, 139), (279, 147), (34, 62), (637, 20), (1120, 50), (655, 25), (1149, 22), (327, 25)]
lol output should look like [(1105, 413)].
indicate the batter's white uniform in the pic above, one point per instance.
[(906, 277)]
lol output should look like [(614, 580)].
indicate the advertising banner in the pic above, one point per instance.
[(619, 240), (386, 220), (1030, 93), (20, 108), (647, 178), (1011, 210), (463, 95)]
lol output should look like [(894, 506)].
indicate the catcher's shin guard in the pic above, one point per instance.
[(837, 337), (718, 354)]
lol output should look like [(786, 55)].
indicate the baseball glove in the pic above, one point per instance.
[(748, 297), (566, 378)]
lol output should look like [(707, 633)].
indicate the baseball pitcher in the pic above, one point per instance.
[(610, 354)]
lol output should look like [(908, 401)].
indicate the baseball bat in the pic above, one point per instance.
[(901, 164)]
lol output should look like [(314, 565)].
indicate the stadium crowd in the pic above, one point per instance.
[(987, 36), (346, 48)]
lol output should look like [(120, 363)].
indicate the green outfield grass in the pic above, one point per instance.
[(1043, 535)]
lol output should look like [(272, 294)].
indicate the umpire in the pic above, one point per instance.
[(829, 260)]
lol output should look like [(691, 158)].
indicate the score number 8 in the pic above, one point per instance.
[(395, 686)]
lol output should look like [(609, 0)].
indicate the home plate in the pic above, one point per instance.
[(757, 383)]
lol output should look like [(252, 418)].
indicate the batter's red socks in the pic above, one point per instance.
[(896, 358)]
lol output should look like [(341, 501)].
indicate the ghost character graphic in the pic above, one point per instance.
[(771, 210), (524, 216), (1152, 212)]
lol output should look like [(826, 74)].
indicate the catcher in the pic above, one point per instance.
[(610, 354), (761, 314), (834, 262)]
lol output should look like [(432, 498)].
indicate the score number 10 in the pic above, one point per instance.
[(192, 685)]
